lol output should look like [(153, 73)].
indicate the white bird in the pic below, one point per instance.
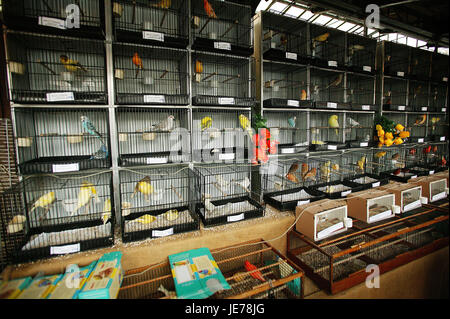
[(352, 123), (167, 125)]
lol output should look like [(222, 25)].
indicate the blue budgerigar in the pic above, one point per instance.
[(291, 121), (102, 153), (90, 128)]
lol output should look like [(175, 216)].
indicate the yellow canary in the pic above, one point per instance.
[(361, 163), (87, 190), (106, 215), (335, 167), (71, 65), (44, 201), (434, 120), (325, 170), (145, 219), (322, 37), (380, 154), (198, 66), (171, 214), (206, 123), (334, 123), (421, 119), (144, 187), (245, 124)]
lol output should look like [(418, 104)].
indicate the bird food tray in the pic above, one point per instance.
[(369, 180)]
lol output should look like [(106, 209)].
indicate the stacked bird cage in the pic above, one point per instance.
[(53, 140), (418, 99), (158, 202), (438, 97), (153, 136), (359, 129), (285, 85), (156, 22), (417, 124), (415, 158), (45, 216), (326, 131), (50, 69), (438, 127), (327, 89), (226, 194), (420, 64), (439, 68), (222, 80), (150, 75), (360, 92), (222, 26), (337, 264), (436, 156), (284, 38), (274, 276), (391, 163), (395, 94), (365, 168), (289, 130), (396, 59), (62, 17), (327, 47), (221, 134), (286, 184), (361, 53)]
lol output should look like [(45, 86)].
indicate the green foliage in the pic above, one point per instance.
[(387, 124), (258, 122)]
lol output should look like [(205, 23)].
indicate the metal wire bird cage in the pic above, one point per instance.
[(439, 68), (156, 22), (391, 163), (438, 97), (417, 124), (153, 136), (395, 94), (284, 38), (326, 130), (285, 85), (51, 140), (396, 59), (49, 69), (339, 262), (222, 80), (416, 158), (420, 64), (327, 89), (418, 98), (283, 279), (81, 18), (158, 202), (50, 215), (359, 129), (222, 26), (436, 157), (360, 92), (218, 135), (150, 75), (361, 53), (327, 47), (226, 194)]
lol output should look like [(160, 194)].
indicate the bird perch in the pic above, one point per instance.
[(230, 27), (209, 76), (164, 74), (231, 78), (204, 26), (46, 66)]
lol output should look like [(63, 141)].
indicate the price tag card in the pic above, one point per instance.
[(376, 184), (235, 218), (293, 103), (67, 249), (365, 107), (64, 168), (331, 105), (226, 100), (227, 156), (162, 233), (445, 79), (154, 99), (444, 110), (157, 160), (420, 140), (291, 56), (430, 172), (367, 68), (60, 96), (52, 22), (442, 138), (302, 202), (401, 107), (222, 46), (155, 36), (399, 73), (343, 194), (332, 63), (364, 144), (332, 147), (287, 150), (424, 108)]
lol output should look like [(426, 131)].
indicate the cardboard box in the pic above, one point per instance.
[(72, 282), (443, 174), (322, 219), (434, 187), (12, 288), (105, 280), (40, 287), (407, 195), (371, 205)]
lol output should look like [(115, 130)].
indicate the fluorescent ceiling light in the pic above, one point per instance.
[(278, 6), (295, 11), (306, 15), (322, 20)]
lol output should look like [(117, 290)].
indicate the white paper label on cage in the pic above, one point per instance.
[(424, 108), (438, 196), (222, 46), (302, 202), (235, 218), (293, 103), (401, 107), (332, 147), (414, 176), (52, 22), (154, 99), (226, 156), (332, 63), (329, 230), (445, 79), (226, 100), (400, 73), (291, 56), (162, 233), (412, 205), (67, 249), (364, 144), (444, 110), (63, 168), (287, 151), (380, 216), (376, 184), (157, 160), (60, 96), (430, 172), (343, 194), (331, 105), (420, 140), (367, 68), (365, 107), (442, 138), (155, 36)]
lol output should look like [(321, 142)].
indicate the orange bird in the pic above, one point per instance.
[(250, 267), (209, 10), (137, 61)]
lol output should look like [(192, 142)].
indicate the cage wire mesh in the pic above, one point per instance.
[(435, 156), (438, 97), (439, 68), (49, 69), (159, 22), (222, 80), (328, 89), (420, 65), (158, 202), (395, 94), (48, 138), (51, 16), (153, 136), (222, 26), (359, 129), (326, 130), (396, 59), (366, 169), (415, 156), (360, 92), (417, 124), (284, 38), (361, 53), (150, 75), (226, 194), (46, 212), (418, 98), (327, 46), (218, 135), (285, 85)]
